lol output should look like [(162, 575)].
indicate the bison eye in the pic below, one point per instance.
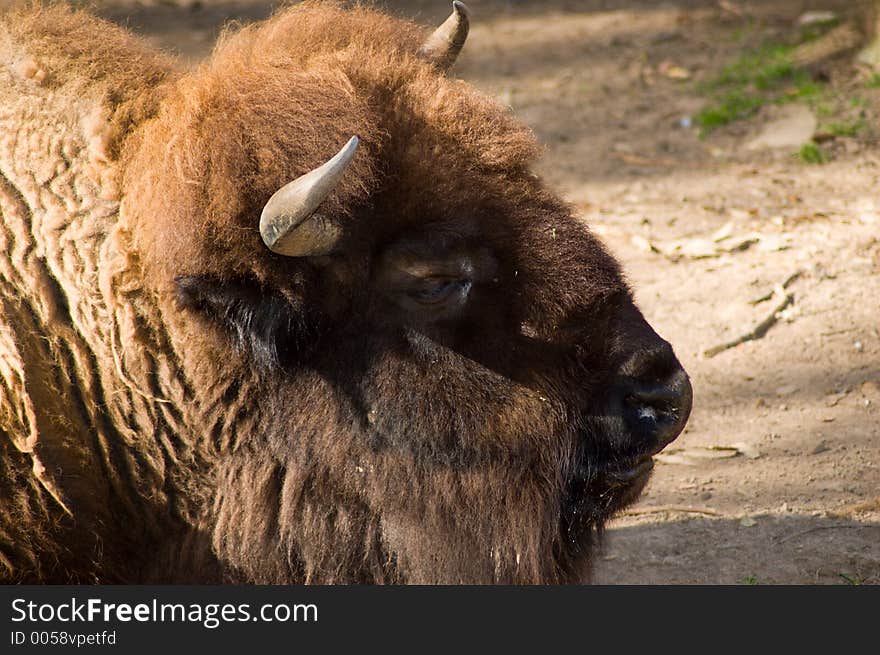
[(436, 290)]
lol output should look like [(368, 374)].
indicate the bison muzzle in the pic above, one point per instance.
[(301, 313)]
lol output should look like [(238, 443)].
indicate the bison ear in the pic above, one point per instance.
[(260, 322), (444, 44)]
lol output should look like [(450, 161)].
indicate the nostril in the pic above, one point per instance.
[(659, 409), (653, 403), (652, 394)]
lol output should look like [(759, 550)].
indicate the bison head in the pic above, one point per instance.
[(405, 358)]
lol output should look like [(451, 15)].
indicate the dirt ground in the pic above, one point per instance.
[(776, 480)]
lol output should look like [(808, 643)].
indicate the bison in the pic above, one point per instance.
[(301, 313)]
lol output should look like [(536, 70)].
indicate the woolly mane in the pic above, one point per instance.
[(278, 98)]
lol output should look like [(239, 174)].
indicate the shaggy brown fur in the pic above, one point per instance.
[(178, 403)]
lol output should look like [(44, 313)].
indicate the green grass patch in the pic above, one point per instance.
[(873, 81), (812, 153), (750, 580), (762, 68), (850, 579), (850, 128), (729, 107), (814, 31), (765, 75), (824, 109), (804, 87)]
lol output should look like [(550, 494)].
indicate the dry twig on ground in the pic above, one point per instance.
[(823, 527), (841, 39), (671, 508), (756, 332)]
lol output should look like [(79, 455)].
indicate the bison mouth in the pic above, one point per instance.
[(595, 495), (625, 484), (642, 416)]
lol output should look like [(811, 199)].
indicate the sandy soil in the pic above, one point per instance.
[(777, 477)]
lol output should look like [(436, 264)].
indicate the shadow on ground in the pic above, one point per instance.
[(777, 549)]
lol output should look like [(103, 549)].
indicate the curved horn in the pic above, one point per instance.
[(443, 46), (289, 225)]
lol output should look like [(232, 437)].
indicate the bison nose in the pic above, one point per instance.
[(657, 397)]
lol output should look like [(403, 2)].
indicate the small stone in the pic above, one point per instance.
[(698, 249), (739, 244), (642, 244), (816, 18), (870, 388), (832, 399), (748, 522), (673, 71), (774, 242), (724, 232), (821, 447), (747, 449), (794, 127)]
